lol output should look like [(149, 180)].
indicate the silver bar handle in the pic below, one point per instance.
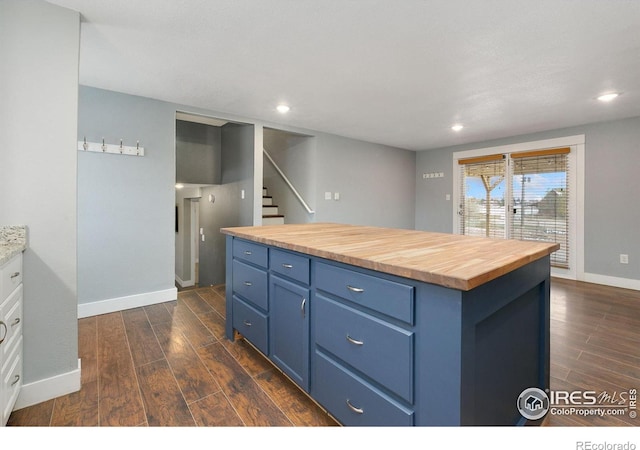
[(248, 283), (15, 274), (304, 301), (248, 252), (354, 341), (355, 289), (354, 409), (16, 322), (17, 378), (287, 266), (4, 336), (246, 322)]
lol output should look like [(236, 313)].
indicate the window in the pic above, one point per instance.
[(525, 191), (482, 201), (540, 191)]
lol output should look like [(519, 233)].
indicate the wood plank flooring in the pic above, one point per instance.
[(169, 365), (595, 345)]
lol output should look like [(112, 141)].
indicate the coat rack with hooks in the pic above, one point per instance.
[(102, 147)]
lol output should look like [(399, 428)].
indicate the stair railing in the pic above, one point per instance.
[(286, 180)]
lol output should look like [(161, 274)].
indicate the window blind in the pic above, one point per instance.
[(482, 196), (540, 199)]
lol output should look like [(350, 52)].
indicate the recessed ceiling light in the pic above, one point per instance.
[(457, 127), (608, 97), (283, 109)]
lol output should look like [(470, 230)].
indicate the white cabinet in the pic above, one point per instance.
[(10, 335)]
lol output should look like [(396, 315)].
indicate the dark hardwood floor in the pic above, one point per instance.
[(169, 365), (595, 346)]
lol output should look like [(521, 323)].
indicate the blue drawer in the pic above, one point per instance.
[(250, 283), (251, 252), (251, 323), (387, 297), (376, 348), (351, 400), (290, 265)]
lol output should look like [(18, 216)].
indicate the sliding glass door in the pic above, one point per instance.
[(519, 195)]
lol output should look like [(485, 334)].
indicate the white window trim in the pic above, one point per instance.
[(576, 193)]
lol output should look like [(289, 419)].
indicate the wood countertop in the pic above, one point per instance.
[(450, 260)]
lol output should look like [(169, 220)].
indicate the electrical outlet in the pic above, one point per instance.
[(624, 259), (327, 195)]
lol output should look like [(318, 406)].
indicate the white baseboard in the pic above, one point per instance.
[(183, 283), (49, 388), (626, 283), (127, 302)]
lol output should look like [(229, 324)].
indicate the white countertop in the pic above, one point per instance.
[(13, 240)]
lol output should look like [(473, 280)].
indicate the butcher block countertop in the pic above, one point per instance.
[(450, 260)]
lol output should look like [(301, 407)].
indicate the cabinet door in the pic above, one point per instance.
[(289, 329)]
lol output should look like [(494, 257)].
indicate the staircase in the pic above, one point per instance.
[(270, 214)]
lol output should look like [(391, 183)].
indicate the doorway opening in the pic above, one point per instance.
[(214, 170)]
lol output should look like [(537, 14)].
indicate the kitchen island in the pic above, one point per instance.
[(391, 327)]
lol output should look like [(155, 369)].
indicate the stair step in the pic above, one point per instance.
[(274, 219), (270, 213)]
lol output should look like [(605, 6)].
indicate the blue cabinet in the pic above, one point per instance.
[(375, 349), (368, 344), (268, 304), (250, 323), (289, 329)]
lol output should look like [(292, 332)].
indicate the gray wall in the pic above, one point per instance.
[(228, 209), (39, 51), (295, 155), (611, 212), (126, 209), (237, 167), (126, 204), (198, 153), (376, 183)]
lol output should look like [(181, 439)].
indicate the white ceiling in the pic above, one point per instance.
[(397, 72)]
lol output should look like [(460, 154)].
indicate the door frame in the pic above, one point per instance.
[(576, 193)]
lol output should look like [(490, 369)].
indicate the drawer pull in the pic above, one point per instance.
[(16, 322), (355, 289), (248, 252), (15, 274), (247, 283), (354, 341), (17, 378), (354, 409), (304, 301), (4, 335), (246, 322), (287, 266)]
